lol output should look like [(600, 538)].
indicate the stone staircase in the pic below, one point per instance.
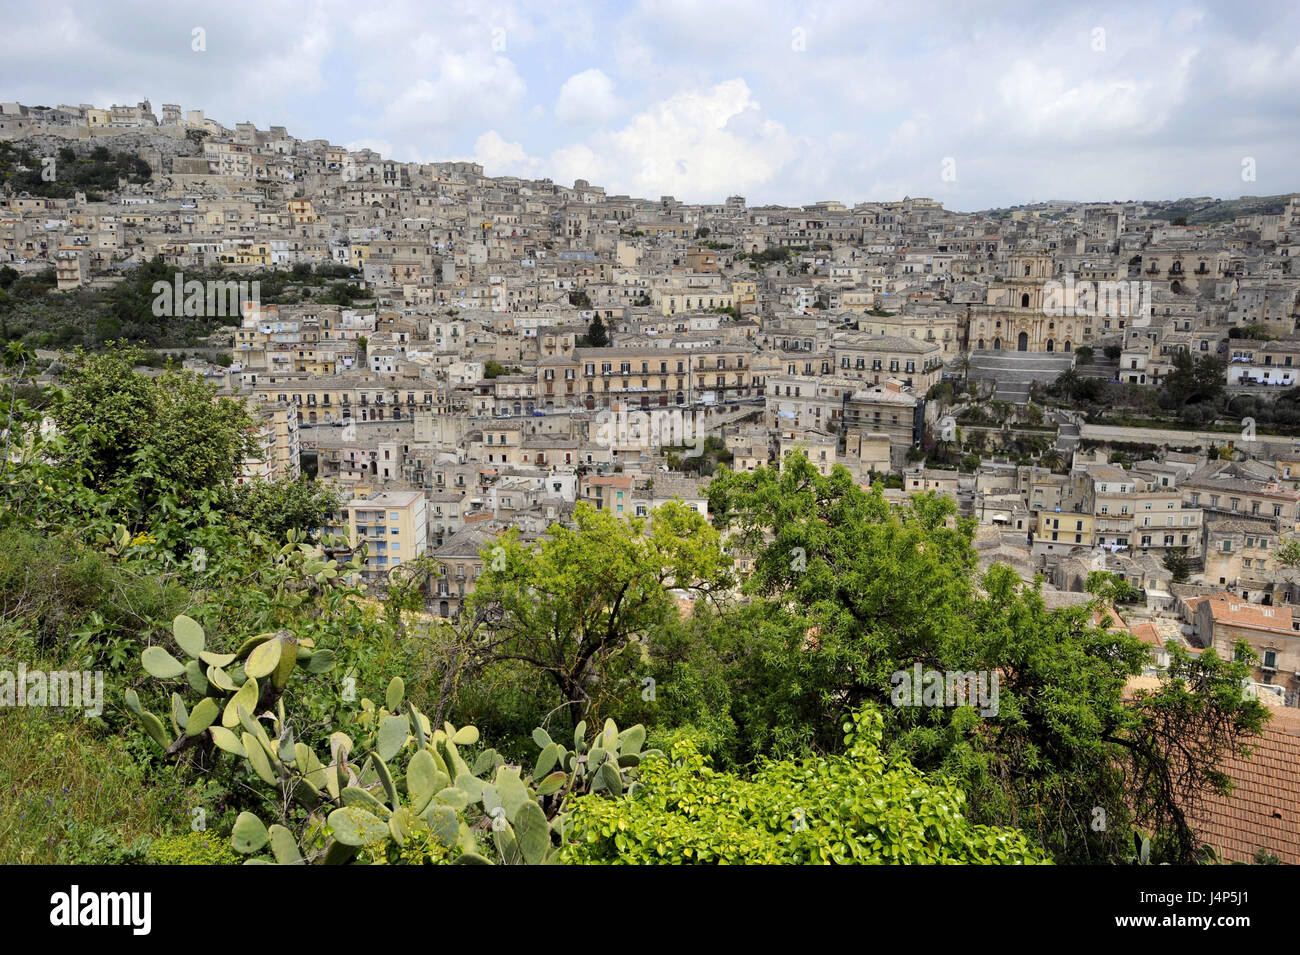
[(1107, 368), (1012, 372)]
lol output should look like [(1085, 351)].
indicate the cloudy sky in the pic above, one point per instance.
[(974, 104)]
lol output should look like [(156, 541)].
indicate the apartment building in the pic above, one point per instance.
[(392, 524)]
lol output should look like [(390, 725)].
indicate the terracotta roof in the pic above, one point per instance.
[(1147, 633), (1264, 808), (1224, 609)]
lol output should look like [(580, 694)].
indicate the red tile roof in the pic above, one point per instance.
[(1264, 808)]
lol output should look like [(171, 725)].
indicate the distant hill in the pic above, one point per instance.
[(1207, 211), (1203, 210)]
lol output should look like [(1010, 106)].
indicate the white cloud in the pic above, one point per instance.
[(587, 99), (700, 144), (466, 88), (668, 95), (501, 158), (381, 146)]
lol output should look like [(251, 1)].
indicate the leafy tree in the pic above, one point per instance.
[(139, 437), (1052, 459), (493, 369), (1193, 380), (578, 607), (273, 508), (1176, 563), (849, 593), (1110, 589)]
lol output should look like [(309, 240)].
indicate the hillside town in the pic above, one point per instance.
[(519, 346)]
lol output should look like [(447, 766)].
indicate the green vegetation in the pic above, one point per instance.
[(883, 590), (790, 812), (769, 256), (602, 696), (1206, 211), (37, 316), (94, 175), (597, 335)]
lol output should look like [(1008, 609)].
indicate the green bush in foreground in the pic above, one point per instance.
[(858, 808), (193, 848)]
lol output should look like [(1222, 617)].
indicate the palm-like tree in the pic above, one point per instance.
[(1067, 382)]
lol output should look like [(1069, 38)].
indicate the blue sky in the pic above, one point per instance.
[(974, 104)]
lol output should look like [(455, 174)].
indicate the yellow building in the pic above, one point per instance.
[(247, 254), (301, 211), (677, 301), (1062, 530), (393, 525)]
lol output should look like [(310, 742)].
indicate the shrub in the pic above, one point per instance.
[(193, 848), (853, 809)]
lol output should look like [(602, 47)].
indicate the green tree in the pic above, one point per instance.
[(1193, 380), (138, 437), (1176, 563), (273, 508), (848, 593), (1110, 589), (597, 335), (579, 606)]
